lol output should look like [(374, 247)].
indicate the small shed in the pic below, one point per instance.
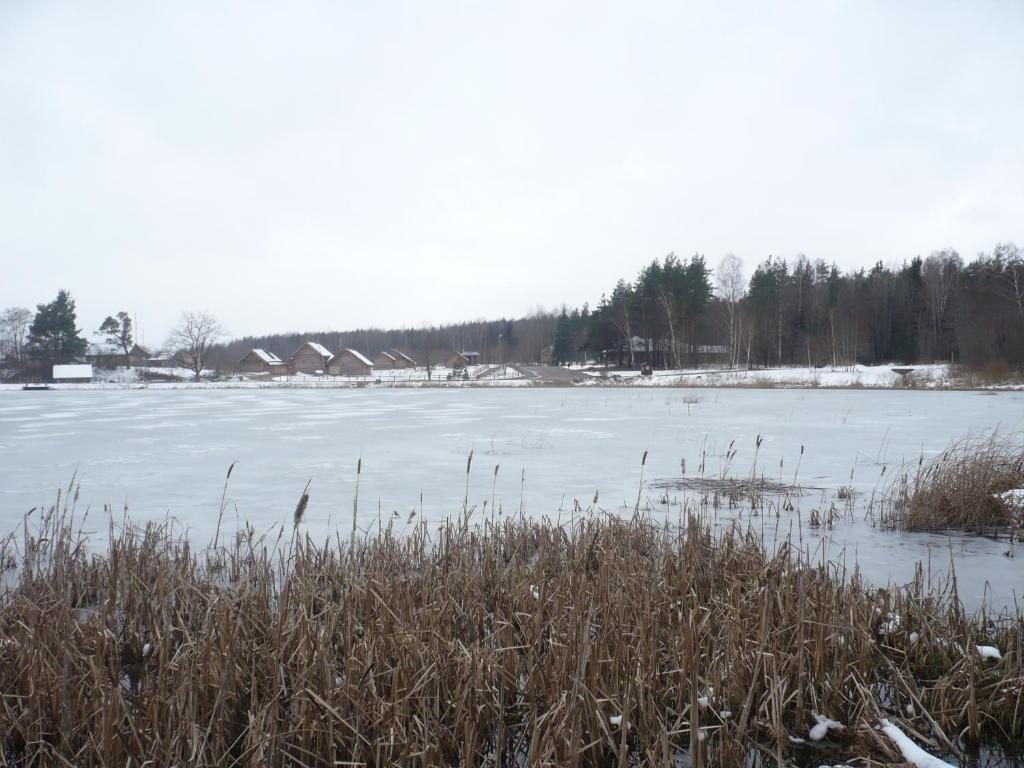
[(310, 358), (349, 362), (260, 361), (79, 373), (385, 360), (402, 360), (462, 359)]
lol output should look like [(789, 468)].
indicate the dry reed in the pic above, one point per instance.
[(603, 642), (963, 488)]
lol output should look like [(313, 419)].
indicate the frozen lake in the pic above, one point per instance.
[(166, 452)]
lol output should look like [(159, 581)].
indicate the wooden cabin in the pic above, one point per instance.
[(349, 362), (402, 360), (259, 361), (385, 361), (462, 359), (105, 355), (311, 358)]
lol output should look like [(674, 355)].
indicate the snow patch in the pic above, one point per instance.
[(912, 753)]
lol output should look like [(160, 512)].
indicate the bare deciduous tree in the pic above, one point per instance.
[(1013, 275), (191, 339), (14, 323), (731, 286)]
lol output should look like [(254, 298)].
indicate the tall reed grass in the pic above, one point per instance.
[(602, 642), (963, 488)]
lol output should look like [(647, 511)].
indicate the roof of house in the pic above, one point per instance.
[(102, 348), (395, 353), (72, 371), (267, 357), (388, 355), (105, 349), (357, 355), (320, 349), (464, 353)]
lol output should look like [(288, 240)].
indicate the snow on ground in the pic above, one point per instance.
[(872, 376), (935, 376), (183, 378), (912, 753)]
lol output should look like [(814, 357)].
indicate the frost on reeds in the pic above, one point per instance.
[(973, 486), (604, 642)]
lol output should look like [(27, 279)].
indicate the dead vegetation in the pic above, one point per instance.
[(607, 642), (970, 487)]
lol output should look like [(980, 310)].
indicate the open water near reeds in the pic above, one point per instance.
[(166, 452)]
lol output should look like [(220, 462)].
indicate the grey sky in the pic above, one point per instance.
[(291, 166)]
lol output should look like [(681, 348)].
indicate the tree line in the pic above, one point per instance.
[(803, 312), (676, 312)]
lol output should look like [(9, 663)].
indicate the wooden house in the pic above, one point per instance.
[(462, 359), (349, 362), (384, 361), (402, 360), (259, 361), (311, 358), (105, 355)]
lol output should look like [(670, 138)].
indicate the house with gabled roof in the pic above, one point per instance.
[(350, 362), (402, 360), (107, 355), (259, 361), (384, 361), (462, 359), (311, 357)]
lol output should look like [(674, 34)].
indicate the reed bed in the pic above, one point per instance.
[(598, 642), (970, 486)]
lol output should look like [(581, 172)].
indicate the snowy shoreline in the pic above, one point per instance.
[(935, 377)]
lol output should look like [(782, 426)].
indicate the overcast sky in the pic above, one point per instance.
[(299, 166)]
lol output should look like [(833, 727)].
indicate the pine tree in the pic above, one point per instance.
[(53, 336), (117, 331)]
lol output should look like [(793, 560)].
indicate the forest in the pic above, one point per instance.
[(674, 313), (804, 312)]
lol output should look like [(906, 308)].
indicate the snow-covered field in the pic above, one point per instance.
[(183, 378), (870, 376), (935, 376), (166, 452)]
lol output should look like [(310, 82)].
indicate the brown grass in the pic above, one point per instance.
[(519, 643), (962, 488)]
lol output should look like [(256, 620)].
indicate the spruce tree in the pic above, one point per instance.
[(53, 336)]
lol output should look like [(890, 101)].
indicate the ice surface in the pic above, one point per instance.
[(167, 451)]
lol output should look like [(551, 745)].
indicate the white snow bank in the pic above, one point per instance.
[(871, 376), (912, 753)]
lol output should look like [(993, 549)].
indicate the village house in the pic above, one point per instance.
[(104, 355), (384, 361), (259, 361), (349, 362), (462, 359), (402, 360), (311, 358)]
